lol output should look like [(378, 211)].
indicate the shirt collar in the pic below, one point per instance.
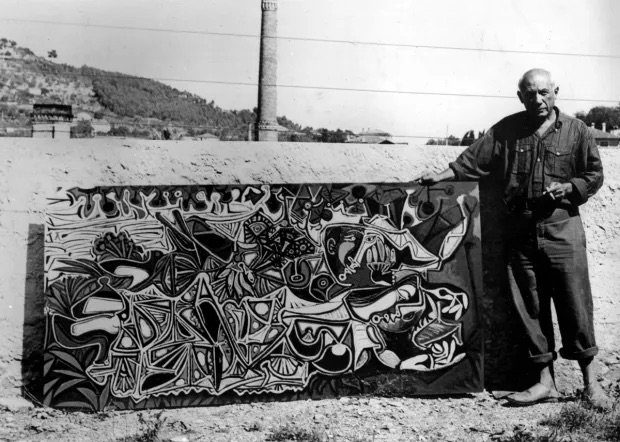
[(558, 121)]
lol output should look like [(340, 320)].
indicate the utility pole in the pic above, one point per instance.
[(267, 125)]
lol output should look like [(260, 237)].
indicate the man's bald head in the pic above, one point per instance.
[(537, 91), (532, 75)]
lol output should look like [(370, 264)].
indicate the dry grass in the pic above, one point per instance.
[(575, 422), (289, 432), (579, 419), (150, 428)]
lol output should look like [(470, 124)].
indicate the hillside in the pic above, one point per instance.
[(134, 106)]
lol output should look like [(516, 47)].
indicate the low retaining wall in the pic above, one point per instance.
[(31, 170)]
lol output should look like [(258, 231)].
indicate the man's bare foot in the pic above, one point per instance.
[(597, 398), (536, 394)]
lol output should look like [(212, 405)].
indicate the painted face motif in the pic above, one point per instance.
[(395, 310), (359, 256)]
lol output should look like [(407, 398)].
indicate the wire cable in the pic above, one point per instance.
[(316, 40), (314, 87)]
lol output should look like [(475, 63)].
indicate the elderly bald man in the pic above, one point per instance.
[(549, 165)]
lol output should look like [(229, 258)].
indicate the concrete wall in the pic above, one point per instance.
[(31, 171)]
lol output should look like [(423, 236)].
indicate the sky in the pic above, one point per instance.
[(375, 45)]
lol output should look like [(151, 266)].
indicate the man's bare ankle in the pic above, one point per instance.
[(548, 381)]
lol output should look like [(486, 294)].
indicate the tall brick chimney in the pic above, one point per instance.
[(267, 126)]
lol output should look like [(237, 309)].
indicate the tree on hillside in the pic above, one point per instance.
[(601, 114), (83, 130), (468, 138), (285, 122), (119, 131), (450, 141), (333, 136), (453, 141), (136, 103)]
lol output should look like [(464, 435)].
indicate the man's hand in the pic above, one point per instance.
[(559, 191), (428, 178)]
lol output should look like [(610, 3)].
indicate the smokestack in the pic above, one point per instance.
[(267, 75), (604, 127)]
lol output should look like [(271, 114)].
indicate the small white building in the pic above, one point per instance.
[(371, 136), (101, 126), (83, 116), (205, 136)]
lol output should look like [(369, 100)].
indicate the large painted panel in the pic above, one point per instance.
[(192, 295)]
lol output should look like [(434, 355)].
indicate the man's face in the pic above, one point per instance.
[(538, 95)]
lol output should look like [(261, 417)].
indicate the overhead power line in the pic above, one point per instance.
[(316, 40), (313, 87)]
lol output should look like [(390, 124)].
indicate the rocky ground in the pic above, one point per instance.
[(476, 417)]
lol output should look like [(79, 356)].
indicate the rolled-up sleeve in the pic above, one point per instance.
[(475, 162), (589, 177)]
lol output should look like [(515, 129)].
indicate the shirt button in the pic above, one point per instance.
[(538, 159), (521, 150), (557, 153)]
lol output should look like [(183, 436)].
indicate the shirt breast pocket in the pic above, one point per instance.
[(559, 161), (522, 158)]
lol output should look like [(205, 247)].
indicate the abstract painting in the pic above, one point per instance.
[(169, 296)]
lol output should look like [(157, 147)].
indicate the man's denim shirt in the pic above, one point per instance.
[(528, 163)]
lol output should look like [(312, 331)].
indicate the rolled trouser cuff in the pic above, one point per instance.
[(544, 358), (581, 354)]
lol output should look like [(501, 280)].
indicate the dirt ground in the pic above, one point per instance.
[(475, 417)]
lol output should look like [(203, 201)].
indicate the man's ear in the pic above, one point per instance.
[(556, 90), (520, 95)]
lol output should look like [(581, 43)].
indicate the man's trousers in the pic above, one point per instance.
[(547, 260)]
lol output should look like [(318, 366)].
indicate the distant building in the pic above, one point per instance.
[(371, 136), (603, 138), (101, 126), (282, 129), (24, 107), (206, 136), (9, 130), (51, 120), (83, 116)]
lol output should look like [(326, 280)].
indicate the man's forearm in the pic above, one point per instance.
[(445, 175)]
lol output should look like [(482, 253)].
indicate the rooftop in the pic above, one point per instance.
[(602, 134)]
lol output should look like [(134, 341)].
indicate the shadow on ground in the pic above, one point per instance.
[(34, 318)]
